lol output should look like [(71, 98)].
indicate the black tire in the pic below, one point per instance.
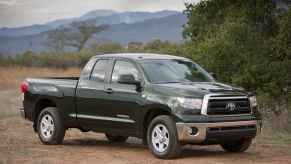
[(173, 149), (116, 138), (58, 133), (237, 146)]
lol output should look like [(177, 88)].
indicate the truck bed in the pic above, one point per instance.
[(60, 78), (57, 85), (53, 80)]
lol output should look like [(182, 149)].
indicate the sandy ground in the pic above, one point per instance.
[(19, 144)]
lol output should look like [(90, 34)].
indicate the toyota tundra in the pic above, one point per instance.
[(167, 101)]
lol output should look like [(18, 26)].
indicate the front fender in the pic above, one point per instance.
[(162, 102)]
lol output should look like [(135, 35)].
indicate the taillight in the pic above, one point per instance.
[(24, 87)]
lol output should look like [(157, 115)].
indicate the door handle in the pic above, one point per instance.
[(108, 90)]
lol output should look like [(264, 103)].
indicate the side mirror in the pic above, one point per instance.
[(213, 75), (128, 79)]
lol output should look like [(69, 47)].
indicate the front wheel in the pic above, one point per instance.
[(162, 137), (237, 146)]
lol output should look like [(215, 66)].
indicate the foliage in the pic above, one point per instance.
[(52, 59), (106, 48), (78, 59), (243, 42), (56, 39), (75, 36)]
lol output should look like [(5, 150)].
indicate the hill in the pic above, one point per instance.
[(123, 28)]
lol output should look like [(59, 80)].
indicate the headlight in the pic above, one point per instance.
[(189, 103), (253, 101)]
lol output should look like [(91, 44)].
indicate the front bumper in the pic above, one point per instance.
[(217, 132)]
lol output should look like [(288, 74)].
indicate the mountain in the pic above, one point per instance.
[(97, 16), (130, 17), (15, 45), (165, 28), (61, 22), (123, 28), (23, 31), (90, 15), (96, 13)]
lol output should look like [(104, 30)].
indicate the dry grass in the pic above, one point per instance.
[(11, 77)]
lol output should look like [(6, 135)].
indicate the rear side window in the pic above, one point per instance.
[(121, 68), (87, 69), (99, 71)]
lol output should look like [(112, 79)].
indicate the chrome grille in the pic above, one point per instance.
[(226, 105)]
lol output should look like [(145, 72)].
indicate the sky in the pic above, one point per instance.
[(15, 13)]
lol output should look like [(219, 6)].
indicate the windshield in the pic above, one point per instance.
[(174, 71)]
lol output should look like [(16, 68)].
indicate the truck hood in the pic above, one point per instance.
[(196, 89)]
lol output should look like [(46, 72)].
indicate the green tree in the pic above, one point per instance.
[(236, 39), (281, 56), (106, 48), (75, 36), (57, 39)]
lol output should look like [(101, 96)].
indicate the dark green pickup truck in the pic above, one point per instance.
[(167, 101)]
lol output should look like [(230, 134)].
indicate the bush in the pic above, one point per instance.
[(243, 42)]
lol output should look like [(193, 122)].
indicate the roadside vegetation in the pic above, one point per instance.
[(12, 76), (247, 43)]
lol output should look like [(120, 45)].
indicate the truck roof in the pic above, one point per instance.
[(141, 56)]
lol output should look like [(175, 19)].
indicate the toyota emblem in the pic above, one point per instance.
[(231, 106)]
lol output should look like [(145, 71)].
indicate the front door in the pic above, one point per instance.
[(126, 100)]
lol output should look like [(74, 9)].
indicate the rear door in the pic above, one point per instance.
[(91, 97)]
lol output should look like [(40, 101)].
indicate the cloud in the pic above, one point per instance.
[(27, 12), (7, 2)]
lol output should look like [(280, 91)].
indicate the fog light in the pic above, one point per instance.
[(193, 131)]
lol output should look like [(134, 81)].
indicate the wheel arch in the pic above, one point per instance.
[(41, 104), (151, 113)]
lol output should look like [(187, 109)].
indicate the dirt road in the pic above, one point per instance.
[(19, 144)]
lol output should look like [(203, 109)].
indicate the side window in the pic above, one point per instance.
[(99, 71), (85, 74), (121, 68)]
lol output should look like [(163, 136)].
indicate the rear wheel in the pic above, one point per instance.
[(116, 138), (50, 126), (237, 146), (162, 137)]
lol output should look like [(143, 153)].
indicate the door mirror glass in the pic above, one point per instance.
[(128, 79)]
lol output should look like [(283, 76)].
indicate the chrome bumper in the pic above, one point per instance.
[(185, 129)]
